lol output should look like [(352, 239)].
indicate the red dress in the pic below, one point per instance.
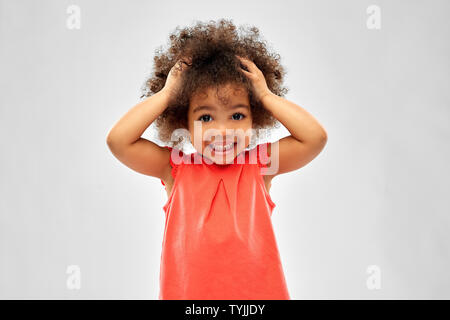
[(218, 236)]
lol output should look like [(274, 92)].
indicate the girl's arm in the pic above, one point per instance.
[(307, 137), (124, 139), (125, 142)]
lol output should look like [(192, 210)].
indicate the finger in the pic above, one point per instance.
[(180, 65), (242, 60), (243, 63), (248, 74), (188, 61), (177, 65), (185, 63), (248, 63)]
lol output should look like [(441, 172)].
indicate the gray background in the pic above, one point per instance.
[(376, 195)]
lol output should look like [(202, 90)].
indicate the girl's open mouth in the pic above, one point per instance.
[(220, 149)]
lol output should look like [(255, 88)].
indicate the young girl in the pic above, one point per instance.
[(217, 87)]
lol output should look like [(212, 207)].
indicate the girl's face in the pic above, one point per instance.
[(220, 124)]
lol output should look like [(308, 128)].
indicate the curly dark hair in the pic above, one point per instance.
[(212, 47)]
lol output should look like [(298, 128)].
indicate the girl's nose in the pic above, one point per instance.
[(227, 133), (223, 132)]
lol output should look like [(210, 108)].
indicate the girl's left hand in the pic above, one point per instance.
[(256, 77)]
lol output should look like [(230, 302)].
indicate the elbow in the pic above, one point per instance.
[(322, 140), (110, 140), (323, 136)]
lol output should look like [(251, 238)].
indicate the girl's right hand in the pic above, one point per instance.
[(174, 77)]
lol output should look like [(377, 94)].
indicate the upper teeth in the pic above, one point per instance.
[(220, 147)]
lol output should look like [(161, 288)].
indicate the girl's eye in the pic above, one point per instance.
[(243, 116), (203, 117), (207, 117)]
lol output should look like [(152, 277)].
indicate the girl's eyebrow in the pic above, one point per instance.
[(200, 108)]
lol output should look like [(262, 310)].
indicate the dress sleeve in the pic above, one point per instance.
[(264, 151), (173, 164)]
